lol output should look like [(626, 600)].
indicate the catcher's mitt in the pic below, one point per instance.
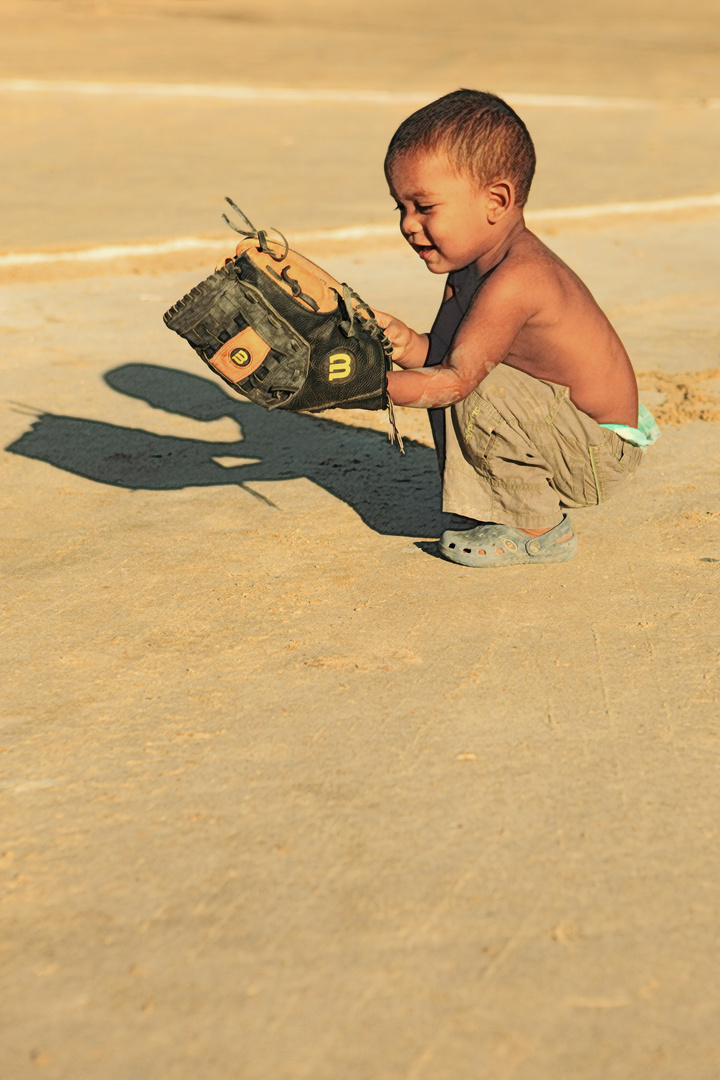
[(284, 333)]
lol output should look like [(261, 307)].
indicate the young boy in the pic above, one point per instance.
[(533, 400)]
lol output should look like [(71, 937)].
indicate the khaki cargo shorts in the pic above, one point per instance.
[(517, 450)]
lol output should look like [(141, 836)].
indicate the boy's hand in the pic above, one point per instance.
[(409, 348)]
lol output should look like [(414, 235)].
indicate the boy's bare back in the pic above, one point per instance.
[(535, 314)]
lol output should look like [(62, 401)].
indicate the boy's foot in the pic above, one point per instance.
[(504, 545)]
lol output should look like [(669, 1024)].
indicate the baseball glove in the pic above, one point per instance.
[(284, 333)]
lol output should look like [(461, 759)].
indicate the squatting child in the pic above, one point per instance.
[(533, 400)]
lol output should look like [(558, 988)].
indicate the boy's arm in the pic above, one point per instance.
[(483, 340)]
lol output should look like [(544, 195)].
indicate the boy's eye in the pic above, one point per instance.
[(425, 209)]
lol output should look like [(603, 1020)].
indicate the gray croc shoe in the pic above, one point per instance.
[(503, 545)]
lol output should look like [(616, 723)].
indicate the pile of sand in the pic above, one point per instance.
[(677, 398)]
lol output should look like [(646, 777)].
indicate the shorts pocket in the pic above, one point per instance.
[(613, 466), (475, 429), (625, 454)]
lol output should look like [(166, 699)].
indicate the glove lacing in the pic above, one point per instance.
[(258, 234)]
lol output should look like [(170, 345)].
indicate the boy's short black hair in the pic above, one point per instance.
[(481, 135)]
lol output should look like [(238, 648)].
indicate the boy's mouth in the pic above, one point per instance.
[(424, 250)]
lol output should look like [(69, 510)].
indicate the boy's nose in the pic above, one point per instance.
[(410, 226)]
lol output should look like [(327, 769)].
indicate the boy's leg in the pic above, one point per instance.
[(496, 465), (517, 451)]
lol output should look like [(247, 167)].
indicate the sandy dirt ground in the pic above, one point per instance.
[(285, 796)]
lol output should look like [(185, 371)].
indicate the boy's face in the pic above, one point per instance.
[(443, 214)]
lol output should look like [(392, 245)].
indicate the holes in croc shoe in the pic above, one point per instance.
[(452, 545), (467, 551)]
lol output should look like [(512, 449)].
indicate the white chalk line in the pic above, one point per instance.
[(109, 252), (270, 94), (648, 206)]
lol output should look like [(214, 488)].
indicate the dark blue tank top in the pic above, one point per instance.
[(464, 284)]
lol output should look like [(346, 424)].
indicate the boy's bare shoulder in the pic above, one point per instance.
[(530, 267)]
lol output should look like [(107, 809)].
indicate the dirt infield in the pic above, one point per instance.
[(285, 796)]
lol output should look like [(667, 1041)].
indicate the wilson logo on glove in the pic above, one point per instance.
[(241, 357), (340, 366), (274, 326)]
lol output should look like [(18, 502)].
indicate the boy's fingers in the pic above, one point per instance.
[(395, 331), (393, 326), (395, 339)]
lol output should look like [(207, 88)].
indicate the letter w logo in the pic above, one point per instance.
[(339, 366)]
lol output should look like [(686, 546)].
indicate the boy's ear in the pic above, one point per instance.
[(501, 198)]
